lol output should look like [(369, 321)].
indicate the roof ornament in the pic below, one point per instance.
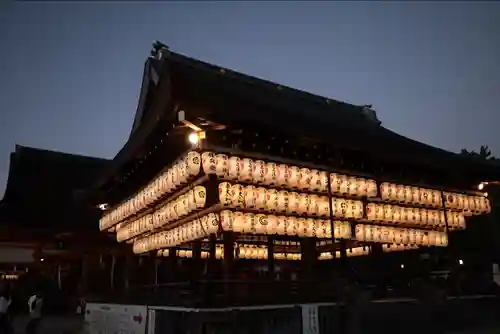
[(159, 50), (370, 114)]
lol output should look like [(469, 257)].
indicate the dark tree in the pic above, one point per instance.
[(484, 153)]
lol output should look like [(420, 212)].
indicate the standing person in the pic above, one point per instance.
[(5, 301), (35, 303)]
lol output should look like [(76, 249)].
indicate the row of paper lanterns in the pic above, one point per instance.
[(432, 198), (193, 230), (271, 200), (262, 252), (188, 253), (243, 223), (419, 216), (274, 174), (398, 247), (355, 251), (168, 181), (282, 225), (408, 236), (180, 207), (196, 199)]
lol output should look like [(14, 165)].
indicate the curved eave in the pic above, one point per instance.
[(141, 129), (296, 112)]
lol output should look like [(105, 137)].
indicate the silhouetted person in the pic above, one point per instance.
[(35, 304), (5, 301)]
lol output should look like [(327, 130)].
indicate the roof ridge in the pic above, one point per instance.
[(20, 148)]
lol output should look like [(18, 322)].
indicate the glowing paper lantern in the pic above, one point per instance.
[(222, 166), (293, 176), (271, 200), (237, 196), (260, 198), (271, 174), (250, 197), (305, 179), (371, 188), (234, 167), (282, 175), (352, 186), (200, 196), (385, 191), (293, 202), (246, 170), (371, 211), (259, 171), (282, 201), (225, 195)]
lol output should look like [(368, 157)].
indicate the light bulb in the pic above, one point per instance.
[(194, 138)]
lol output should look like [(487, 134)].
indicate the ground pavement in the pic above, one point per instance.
[(71, 324)]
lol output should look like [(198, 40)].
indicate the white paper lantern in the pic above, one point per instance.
[(293, 176), (227, 220), (193, 163), (250, 197), (313, 205), (385, 191), (250, 222), (281, 225), (282, 201), (362, 187), (323, 207), (260, 198), (271, 174), (305, 179), (183, 171), (234, 167), (379, 212), (238, 221), (209, 162), (273, 223), (293, 202), (261, 224), (340, 207), (225, 194), (400, 193), (352, 186), (335, 182), (222, 167), (303, 205), (271, 200), (388, 213), (371, 211), (344, 184), (315, 180), (200, 196), (246, 170), (371, 188), (259, 171), (282, 175), (237, 196)]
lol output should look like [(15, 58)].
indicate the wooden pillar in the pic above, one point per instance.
[(270, 257), (172, 264), (196, 267), (309, 257), (112, 271), (129, 269), (228, 262), (212, 260), (84, 274)]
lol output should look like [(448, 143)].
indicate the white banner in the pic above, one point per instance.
[(115, 319), (310, 319)]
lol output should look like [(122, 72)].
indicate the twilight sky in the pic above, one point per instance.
[(70, 72)]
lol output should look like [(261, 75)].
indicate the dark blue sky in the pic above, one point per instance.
[(70, 72)]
